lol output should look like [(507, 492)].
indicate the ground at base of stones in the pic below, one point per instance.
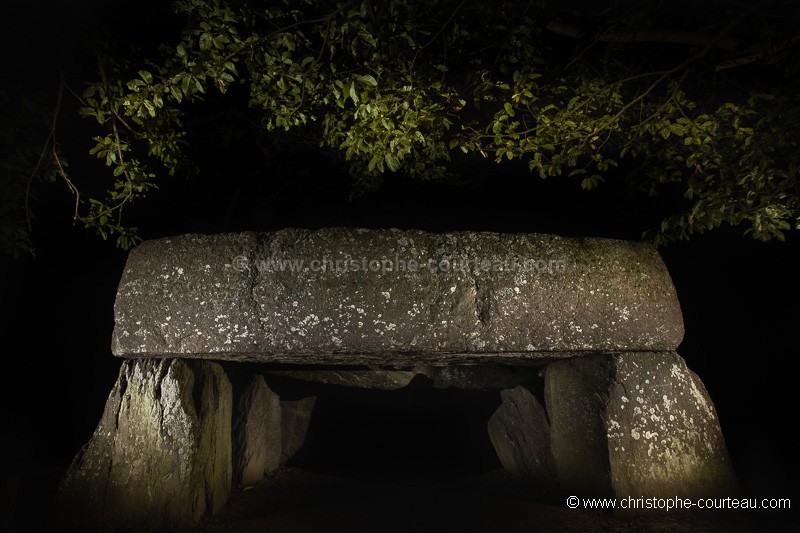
[(293, 501)]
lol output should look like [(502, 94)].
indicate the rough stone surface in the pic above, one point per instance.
[(266, 297), (160, 457), (478, 377), (357, 378), (468, 377), (256, 433), (295, 419), (520, 434), (574, 398), (635, 424)]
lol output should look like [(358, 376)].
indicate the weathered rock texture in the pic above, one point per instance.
[(635, 424), (520, 434), (352, 296), (256, 433), (468, 377), (160, 457), (356, 378), (479, 377), (295, 420)]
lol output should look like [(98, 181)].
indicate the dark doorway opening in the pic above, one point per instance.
[(415, 436)]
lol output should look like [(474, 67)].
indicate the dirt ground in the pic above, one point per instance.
[(298, 501), (294, 501)]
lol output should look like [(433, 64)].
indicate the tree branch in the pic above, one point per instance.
[(45, 149), (701, 54), (650, 36), (767, 52)]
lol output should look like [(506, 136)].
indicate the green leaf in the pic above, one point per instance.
[(220, 41), (376, 159), (591, 182), (367, 79), (206, 41), (392, 162)]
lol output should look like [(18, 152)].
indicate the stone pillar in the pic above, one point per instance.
[(160, 457), (295, 419), (520, 434), (256, 433), (635, 424)]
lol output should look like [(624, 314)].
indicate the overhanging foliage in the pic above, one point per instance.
[(705, 102)]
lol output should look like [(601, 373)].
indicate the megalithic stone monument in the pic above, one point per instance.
[(621, 413)]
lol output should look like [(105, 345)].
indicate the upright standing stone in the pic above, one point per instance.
[(635, 424), (574, 397), (257, 433), (295, 420), (520, 434), (160, 457)]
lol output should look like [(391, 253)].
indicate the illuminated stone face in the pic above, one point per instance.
[(388, 296), (635, 425), (160, 457)]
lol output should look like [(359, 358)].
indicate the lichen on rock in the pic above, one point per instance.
[(160, 457)]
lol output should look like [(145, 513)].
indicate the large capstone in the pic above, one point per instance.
[(355, 296), (635, 424), (160, 457)]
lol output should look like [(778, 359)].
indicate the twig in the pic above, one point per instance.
[(693, 58), (441, 29), (45, 149), (649, 36), (72, 187)]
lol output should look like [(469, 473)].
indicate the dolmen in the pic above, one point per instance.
[(595, 322)]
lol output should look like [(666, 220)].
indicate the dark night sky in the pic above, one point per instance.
[(739, 297)]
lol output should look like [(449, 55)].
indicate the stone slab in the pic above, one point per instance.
[(356, 296), (160, 457), (635, 425)]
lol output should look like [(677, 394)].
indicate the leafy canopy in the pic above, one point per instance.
[(702, 103)]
